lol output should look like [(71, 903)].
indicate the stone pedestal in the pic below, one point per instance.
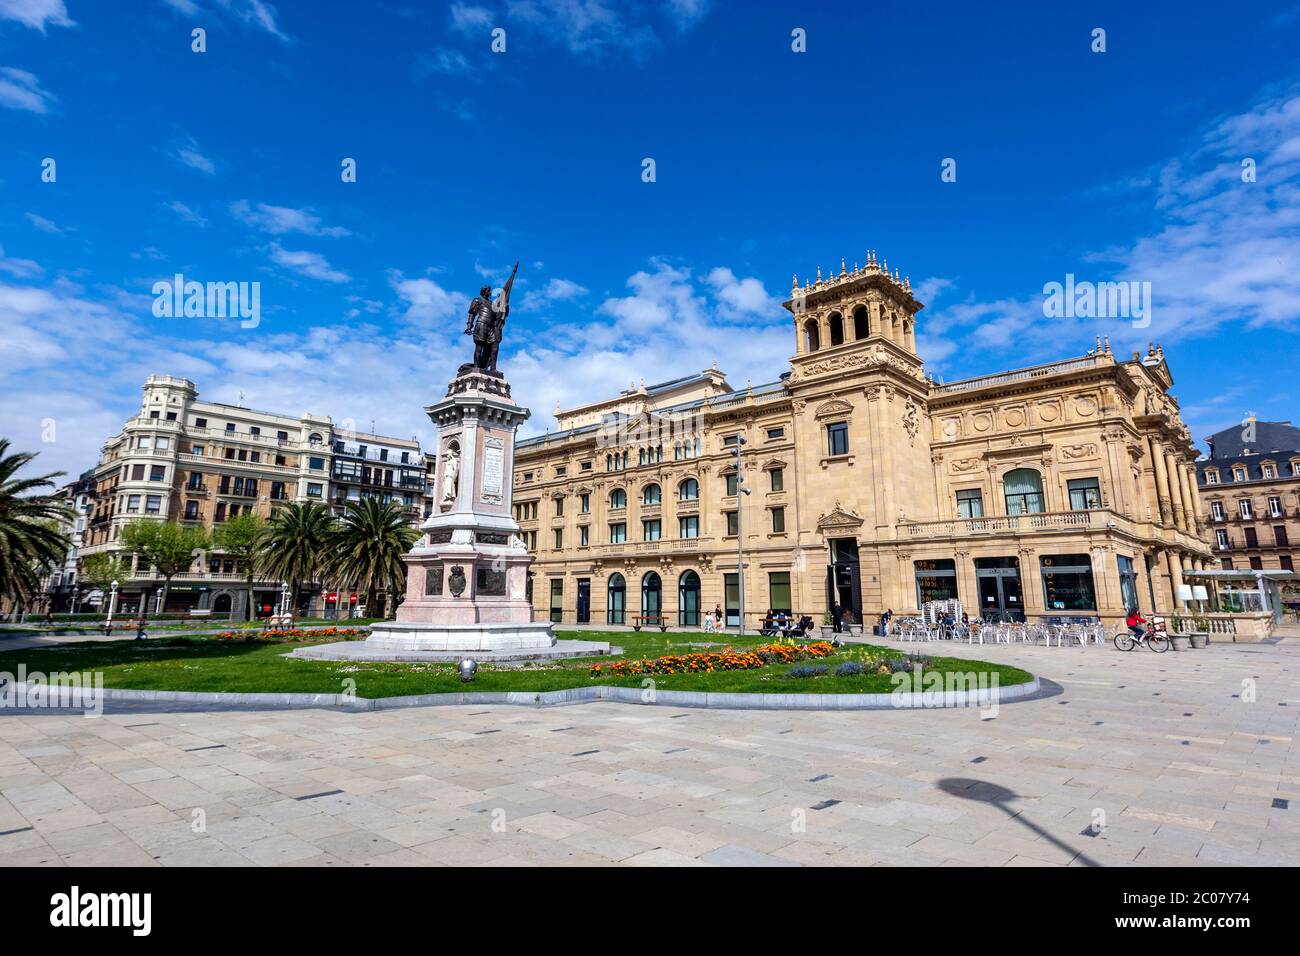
[(467, 577)]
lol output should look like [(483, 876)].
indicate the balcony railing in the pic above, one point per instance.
[(1037, 371), (648, 547), (1092, 518)]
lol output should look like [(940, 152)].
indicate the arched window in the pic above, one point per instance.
[(618, 498), (861, 322), (609, 462), (688, 599), (651, 495), (837, 329), (688, 490), (812, 336), (1024, 490), (615, 603), (651, 595)]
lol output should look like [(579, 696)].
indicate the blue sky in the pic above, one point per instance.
[(225, 165)]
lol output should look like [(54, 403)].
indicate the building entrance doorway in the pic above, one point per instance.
[(1001, 598), (731, 595), (584, 600), (844, 582)]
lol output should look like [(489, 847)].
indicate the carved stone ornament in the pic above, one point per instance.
[(456, 582)]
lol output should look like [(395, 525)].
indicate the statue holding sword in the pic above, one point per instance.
[(486, 320)]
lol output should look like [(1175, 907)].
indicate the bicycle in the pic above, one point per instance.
[(1156, 642)]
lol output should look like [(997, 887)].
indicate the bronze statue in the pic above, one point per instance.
[(485, 323)]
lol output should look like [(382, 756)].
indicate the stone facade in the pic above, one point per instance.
[(1066, 488)]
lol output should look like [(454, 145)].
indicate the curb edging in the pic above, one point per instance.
[(916, 700)]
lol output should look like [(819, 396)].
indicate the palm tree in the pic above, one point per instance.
[(30, 539), (296, 542), (369, 548)]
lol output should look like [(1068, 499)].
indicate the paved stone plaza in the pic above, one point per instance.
[(1184, 766)]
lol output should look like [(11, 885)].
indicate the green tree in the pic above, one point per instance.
[(241, 538), (101, 569), (296, 544), (371, 541), (168, 546), (31, 541)]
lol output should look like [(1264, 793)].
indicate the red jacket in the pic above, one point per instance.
[(1135, 618)]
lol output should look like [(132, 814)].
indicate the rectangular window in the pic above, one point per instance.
[(837, 439), (778, 520), (585, 466), (191, 510), (1252, 538), (584, 536), (313, 490), (778, 591), (1067, 583), (561, 471), (559, 507), (1257, 564), (936, 580), (730, 441), (585, 504), (778, 479), (970, 503), (255, 430), (1244, 507), (1085, 493), (132, 504), (559, 539), (1286, 563), (230, 426), (774, 433), (195, 482), (733, 523), (152, 504), (1270, 471), (1216, 510), (651, 530), (157, 473), (315, 464), (1227, 563), (731, 485), (221, 511), (1211, 477), (1127, 582), (1223, 539), (200, 423), (1279, 534), (1274, 506), (255, 457), (618, 533), (282, 436), (162, 443), (197, 450), (243, 454), (144, 441), (137, 472), (688, 526)]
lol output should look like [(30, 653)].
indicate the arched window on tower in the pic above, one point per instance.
[(812, 336), (837, 328), (861, 322)]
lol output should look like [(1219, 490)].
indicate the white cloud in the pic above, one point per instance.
[(186, 213), (741, 295), (36, 13), (426, 302), (590, 27), (556, 290), (256, 13), (18, 268), (279, 220), (41, 223), (311, 264), (20, 90), (189, 154)]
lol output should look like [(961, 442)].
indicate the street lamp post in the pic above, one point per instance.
[(741, 491), (157, 608), (112, 605)]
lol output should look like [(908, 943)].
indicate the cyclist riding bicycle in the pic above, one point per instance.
[(1135, 622)]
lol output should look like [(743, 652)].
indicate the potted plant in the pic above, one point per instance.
[(1200, 633), (1177, 639), (828, 627)]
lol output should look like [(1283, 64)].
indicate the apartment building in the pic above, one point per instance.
[(1250, 492), (201, 463)]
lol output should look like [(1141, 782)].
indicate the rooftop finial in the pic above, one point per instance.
[(794, 282), (843, 271), (819, 275)]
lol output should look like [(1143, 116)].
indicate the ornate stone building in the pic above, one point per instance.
[(1058, 489)]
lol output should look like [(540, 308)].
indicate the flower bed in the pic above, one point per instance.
[(293, 633), (728, 659)]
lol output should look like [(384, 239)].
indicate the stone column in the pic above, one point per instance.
[(1175, 578), (1163, 501), (1193, 500), (1175, 495)]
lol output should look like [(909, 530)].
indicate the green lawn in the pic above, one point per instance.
[(257, 666)]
